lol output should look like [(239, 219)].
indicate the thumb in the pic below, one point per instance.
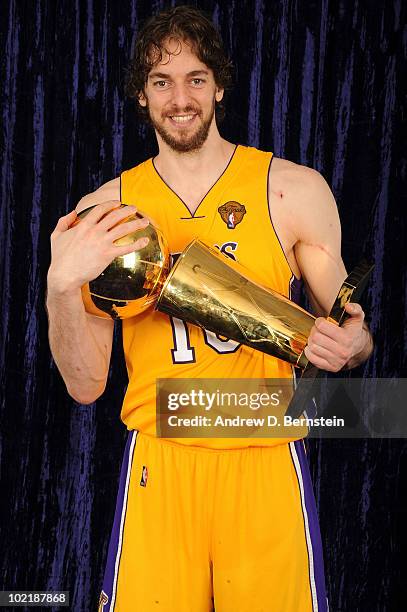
[(356, 312), (64, 223)]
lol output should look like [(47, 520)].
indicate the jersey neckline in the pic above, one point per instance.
[(218, 183)]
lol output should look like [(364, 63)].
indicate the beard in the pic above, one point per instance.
[(184, 142)]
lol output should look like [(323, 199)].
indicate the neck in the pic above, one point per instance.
[(210, 159)]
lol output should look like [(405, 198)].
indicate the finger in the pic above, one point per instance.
[(317, 338), (65, 222), (329, 329), (130, 248), (318, 361), (99, 211), (340, 347), (333, 359), (123, 229), (116, 216)]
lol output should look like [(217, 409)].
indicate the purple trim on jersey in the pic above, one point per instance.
[(116, 537), (295, 289), (311, 525), (271, 218), (194, 216)]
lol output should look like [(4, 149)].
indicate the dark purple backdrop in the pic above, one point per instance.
[(317, 82)]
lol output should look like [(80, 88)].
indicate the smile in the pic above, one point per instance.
[(182, 118)]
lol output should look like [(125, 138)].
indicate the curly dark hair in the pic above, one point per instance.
[(182, 23)]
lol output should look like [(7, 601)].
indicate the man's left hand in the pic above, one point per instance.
[(331, 347)]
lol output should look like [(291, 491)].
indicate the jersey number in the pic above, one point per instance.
[(183, 352)]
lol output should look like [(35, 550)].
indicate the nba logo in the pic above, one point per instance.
[(231, 220), (232, 213), (144, 476)]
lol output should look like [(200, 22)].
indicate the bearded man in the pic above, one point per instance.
[(212, 522)]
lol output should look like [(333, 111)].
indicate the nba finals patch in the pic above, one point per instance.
[(144, 476), (232, 213)]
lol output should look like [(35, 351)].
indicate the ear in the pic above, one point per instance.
[(219, 94), (142, 100)]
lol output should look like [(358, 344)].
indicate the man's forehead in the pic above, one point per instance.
[(172, 53)]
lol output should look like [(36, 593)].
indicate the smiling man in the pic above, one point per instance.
[(183, 126), (228, 523)]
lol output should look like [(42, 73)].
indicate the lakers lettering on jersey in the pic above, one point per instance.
[(234, 217)]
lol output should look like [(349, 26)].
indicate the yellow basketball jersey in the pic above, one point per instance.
[(234, 217)]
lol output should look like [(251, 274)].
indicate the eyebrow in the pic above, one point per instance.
[(163, 75)]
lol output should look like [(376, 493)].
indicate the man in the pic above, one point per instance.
[(202, 522)]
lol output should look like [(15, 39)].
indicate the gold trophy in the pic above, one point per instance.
[(209, 290), (212, 291)]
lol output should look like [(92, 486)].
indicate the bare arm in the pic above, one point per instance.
[(81, 344), (318, 253)]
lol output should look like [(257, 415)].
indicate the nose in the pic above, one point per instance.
[(180, 96)]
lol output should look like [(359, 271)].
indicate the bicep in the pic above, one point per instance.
[(318, 248)]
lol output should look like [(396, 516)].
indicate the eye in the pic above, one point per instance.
[(160, 84), (198, 81)]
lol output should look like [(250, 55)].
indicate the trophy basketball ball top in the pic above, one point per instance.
[(132, 282)]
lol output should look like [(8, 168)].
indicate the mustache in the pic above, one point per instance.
[(185, 110)]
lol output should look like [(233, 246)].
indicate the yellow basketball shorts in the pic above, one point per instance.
[(197, 530)]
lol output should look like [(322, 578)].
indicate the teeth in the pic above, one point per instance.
[(181, 118)]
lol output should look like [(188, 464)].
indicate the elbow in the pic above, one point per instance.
[(85, 397)]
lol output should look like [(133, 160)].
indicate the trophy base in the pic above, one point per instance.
[(351, 291)]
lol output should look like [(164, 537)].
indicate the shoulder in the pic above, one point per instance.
[(304, 197), (107, 191), (295, 178)]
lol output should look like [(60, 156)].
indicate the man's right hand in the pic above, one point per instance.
[(80, 253)]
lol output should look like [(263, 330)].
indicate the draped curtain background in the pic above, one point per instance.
[(317, 82)]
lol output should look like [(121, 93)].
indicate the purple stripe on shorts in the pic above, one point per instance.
[(113, 556), (313, 535)]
